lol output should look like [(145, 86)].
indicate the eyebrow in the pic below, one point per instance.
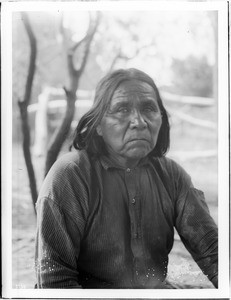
[(150, 102), (124, 101), (120, 103)]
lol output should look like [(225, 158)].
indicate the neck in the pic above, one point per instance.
[(123, 162)]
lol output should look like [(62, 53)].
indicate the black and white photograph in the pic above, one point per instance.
[(115, 149)]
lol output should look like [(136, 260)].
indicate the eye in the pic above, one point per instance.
[(123, 109), (119, 110), (150, 108)]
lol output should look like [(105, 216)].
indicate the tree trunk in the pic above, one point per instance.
[(75, 74), (27, 153), (23, 109), (62, 132)]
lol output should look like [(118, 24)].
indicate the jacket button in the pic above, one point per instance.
[(133, 201)]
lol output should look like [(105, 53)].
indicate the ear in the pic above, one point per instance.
[(99, 130)]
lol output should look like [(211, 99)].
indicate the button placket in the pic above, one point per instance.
[(130, 179), (132, 183)]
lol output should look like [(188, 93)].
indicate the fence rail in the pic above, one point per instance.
[(85, 101)]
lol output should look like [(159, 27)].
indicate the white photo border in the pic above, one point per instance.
[(223, 148)]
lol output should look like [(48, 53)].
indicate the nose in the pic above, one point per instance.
[(137, 120)]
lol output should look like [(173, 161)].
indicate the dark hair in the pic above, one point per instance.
[(86, 136)]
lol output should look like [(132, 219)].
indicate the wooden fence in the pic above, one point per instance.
[(46, 106)]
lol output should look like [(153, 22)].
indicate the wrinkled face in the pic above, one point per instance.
[(131, 125)]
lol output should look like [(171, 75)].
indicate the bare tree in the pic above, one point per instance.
[(23, 104), (82, 49)]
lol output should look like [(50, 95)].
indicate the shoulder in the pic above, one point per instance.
[(71, 172), (78, 158), (67, 184), (172, 171), (76, 161), (168, 165)]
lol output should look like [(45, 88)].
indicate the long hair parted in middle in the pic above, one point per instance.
[(86, 136)]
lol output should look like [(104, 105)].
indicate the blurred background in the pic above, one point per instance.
[(58, 58)]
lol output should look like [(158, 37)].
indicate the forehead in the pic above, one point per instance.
[(133, 88)]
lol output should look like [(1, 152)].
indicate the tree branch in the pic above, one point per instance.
[(120, 55), (23, 108), (91, 33), (61, 133), (75, 74), (33, 54)]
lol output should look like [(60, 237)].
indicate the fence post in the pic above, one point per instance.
[(41, 125)]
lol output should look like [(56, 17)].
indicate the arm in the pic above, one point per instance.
[(196, 227), (56, 256), (61, 216)]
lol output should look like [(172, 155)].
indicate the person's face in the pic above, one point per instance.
[(131, 125)]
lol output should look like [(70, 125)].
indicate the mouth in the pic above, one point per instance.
[(138, 140)]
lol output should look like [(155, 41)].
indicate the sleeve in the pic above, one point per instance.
[(61, 216), (196, 227)]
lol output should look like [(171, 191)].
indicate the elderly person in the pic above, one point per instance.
[(106, 212)]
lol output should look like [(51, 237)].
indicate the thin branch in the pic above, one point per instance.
[(115, 59), (31, 70), (138, 50), (76, 45), (91, 34), (120, 55), (85, 38), (86, 41)]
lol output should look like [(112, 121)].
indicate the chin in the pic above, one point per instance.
[(138, 154)]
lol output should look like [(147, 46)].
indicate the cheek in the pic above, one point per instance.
[(155, 126), (113, 128), (113, 133)]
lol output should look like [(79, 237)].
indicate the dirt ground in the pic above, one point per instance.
[(182, 270)]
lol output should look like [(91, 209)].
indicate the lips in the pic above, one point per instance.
[(138, 139)]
